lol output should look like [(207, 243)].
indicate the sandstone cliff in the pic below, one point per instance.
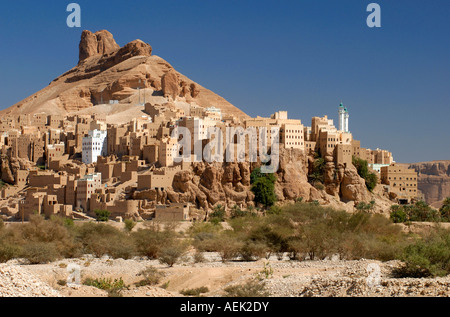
[(433, 180), (106, 71)]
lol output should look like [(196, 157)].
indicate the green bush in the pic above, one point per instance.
[(445, 210), (102, 239), (129, 225), (420, 211), (113, 287), (199, 257), (151, 276), (170, 254), (9, 251), (253, 288), (149, 242), (194, 291), (237, 212), (218, 214), (398, 215), (362, 206), (316, 175), (253, 251), (40, 252), (264, 190), (102, 215), (362, 167), (227, 246), (427, 257)]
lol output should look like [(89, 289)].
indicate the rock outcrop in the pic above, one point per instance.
[(170, 84), (93, 44)]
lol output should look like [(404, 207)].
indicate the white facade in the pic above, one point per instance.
[(94, 145)]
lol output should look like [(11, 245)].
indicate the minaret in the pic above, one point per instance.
[(341, 117), (346, 116)]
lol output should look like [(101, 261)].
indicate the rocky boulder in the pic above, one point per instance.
[(99, 43), (170, 84)]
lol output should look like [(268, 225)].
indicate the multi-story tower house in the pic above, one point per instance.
[(94, 145)]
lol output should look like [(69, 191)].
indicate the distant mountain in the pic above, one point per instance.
[(433, 180), (125, 75)]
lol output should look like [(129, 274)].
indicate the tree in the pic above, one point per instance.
[(317, 172), (264, 190), (102, 215), (398, 215), (362, 167)]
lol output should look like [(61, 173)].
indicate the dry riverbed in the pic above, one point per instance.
[(283, 278)]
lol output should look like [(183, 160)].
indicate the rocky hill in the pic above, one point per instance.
[(433, 180), (106, 72)]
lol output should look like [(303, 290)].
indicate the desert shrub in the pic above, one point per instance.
[(52, 231), (227, 246), (253, 288), (102, 239), (203, 235), (270, 238), (151, 276), (427, 257), (363, 207), (170, 254), (205, 242), (445, 210), (194, 291), (199, 257), (319, 241), (237, 212), (129, 225), (274, 210), (40, 252), (253, 251), (102, 215), (9, 251), (149, 242), (203, 227)]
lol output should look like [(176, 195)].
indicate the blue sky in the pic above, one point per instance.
[(303, 56)]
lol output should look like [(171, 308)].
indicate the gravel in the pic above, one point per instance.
[(17, 282)]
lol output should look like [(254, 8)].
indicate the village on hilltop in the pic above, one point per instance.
[(73, 165)]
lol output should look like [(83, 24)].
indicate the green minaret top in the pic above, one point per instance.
[(341, 105)]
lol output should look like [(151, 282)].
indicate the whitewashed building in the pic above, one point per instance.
[(94, 145)]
